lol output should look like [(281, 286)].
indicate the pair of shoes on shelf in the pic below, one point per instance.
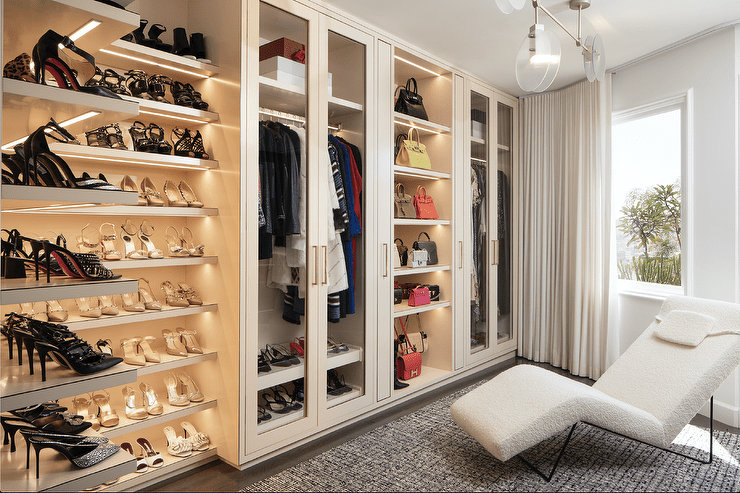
[(82, 451), (150, 402), (96, 306), (183, 446), (19, 68), (143, 86), (182, 296), (278, 399), (138, 351), (149, 138), (182, 342), (335, 383), (148, 458), (262, 414), (182, 389), (104, 244), (333, 346), (277, 355), (55, 313), (180, 195), (108, 136), (129, 185), (43, 418), (111, 80), (195, 49), (186, 95), (297, 346), (144, 232), (82, 405), (187, 145)]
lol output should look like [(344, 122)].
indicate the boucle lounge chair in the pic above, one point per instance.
[(649, 394)]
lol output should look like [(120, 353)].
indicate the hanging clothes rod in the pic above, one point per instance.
[(295, 118)]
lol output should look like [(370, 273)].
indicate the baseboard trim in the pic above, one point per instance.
[(724, 413)]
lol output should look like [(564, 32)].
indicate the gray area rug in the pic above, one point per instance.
[(427, 451)]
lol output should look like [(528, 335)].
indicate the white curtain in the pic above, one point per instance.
[(564, 227)]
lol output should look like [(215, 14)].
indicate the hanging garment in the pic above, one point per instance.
[(504, 267)]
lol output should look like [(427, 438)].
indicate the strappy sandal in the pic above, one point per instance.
[(181, 94), (141, 138), (156, 135), (97, 79), (109, 242), (115, 82), (186, 238), (138, 84), (183, 141), (157, 87), (198, 102), (173, 241), (87, 245)]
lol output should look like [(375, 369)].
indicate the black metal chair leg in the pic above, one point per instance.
[(548, 477)]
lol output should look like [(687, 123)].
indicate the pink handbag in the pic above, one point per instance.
[(419, 296), (424, 204)]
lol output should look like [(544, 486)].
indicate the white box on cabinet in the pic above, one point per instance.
[(287, 71)]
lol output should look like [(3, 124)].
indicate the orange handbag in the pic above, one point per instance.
[(424, 204)]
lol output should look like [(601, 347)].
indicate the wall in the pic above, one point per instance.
[(709, 66)]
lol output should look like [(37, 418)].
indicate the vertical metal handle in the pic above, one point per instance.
[(326, 261), (385, 263), (494, 257), (315, 266), (461, 256)]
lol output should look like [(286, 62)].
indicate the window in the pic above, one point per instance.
[(647, 162)]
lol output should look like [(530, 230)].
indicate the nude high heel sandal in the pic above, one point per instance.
[(106, 415), (173, 296), (189, 387), (177, 446), (85, 244), (189, 294), (173, 241), (187, 242), (107, 305), (153, 197), (130, 356), (108, 241), (82, 408), (129, 398), (189, 195), (129, 185), (189, 340), (130, 304), (150, 302), (145, 345), (146, 231), (199, 441), (55, 313), (173, 195), (151, 402), (173, 344), (88, 307), (128, 233), (173, 397)]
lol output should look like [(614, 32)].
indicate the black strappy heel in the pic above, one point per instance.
[(156, 135), (140, 137), (157, 87), (82, 454), (138, 84)]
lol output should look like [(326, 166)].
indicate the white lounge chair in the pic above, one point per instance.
[(649, 394)]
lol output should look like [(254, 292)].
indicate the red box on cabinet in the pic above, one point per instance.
[(283, 47)]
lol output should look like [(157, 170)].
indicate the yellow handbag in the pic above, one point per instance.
[(413, 153)]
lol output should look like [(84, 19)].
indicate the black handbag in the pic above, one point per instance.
[(397, 296), (410, 102), (433, 291), (403, 251), (429, 246)]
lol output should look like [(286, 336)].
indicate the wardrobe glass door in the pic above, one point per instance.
[(283, 311), (505, 150), (347, 306), (481, 207)]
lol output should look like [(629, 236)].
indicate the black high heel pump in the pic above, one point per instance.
[(46, 59), (27, 433), (82, 454)]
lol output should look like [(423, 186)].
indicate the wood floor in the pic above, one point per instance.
[(218, 476)]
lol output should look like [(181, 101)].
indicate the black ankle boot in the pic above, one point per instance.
[(137, 35), (181, 46), (198, 45), (154, 42)]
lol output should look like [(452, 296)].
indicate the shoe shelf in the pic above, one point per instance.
[(420, 222), (169, 362), (279, 420), (122, 53), (20, 389), (77, 323), (30, 290), (342, 358), (172, 466), (409, 271), (27, 197), (118, 157), (34, 103), (403, 308), (429, 376), (280, 375), (477, 141), (155, 109), (419, 173), (124, 210), (335, 400), (159, 262), (56, 472), (290, 98), (423, 125), (126, 425)]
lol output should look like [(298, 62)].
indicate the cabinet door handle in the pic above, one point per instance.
[(315, 266), (326, 261), (385, 248), (461, 256), (494, 256)]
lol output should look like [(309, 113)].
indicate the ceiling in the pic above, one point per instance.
[(476, 37)]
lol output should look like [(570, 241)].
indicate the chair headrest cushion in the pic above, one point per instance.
[(684, 327)]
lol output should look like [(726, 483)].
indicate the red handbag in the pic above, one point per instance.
[(419, 296), (424, 204), (408, 363)]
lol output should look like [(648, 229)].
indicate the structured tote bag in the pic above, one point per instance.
[(413, 153), (410, 102), (424, 204), (408, 363), (404, 203), (419, 296), (429, 245)]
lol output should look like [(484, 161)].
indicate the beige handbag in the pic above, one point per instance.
[(404, 203), (413, 153)]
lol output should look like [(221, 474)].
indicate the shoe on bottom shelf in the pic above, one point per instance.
[(176, 445)]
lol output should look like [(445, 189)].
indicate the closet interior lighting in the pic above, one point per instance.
[(416, 127), (49, 208), (84, 30), (413, 175), (281, 114), (117, 159), (417, 66), (478, 160), (65, 123), (142, 60), (174, 117)]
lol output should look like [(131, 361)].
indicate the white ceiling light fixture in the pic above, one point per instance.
[(538, 60)]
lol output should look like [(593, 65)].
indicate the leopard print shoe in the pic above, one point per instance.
[(19, 68)]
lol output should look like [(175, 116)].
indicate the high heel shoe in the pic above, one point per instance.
[(128, 233), (55, 313), (173, 195), (279, 352), (106, 414), (104, 346), (145, 345), (189, 340), (46, 59), (296, 347), (177, 446), (153, 197), (87, 245), (275, 358), (187, 242), (157, 90), (189, 294), (108, 241), (275, 403), (146, 230), (173, 344), (281, 391), (82, 454), (173, 397), (82, 408), (82, 265), (129, 400), (11, 425), (130, 355), (189, 195), (262, 414), (151, 456), (155, 132), (151, 403), (141, 465), (141, 139), (146, 295), (131, 304), (199, 441), (87, 308), (335, 383), (173, 241), (187, 145), (107, 305), (189, 387), (129, 185), (173, 296)]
